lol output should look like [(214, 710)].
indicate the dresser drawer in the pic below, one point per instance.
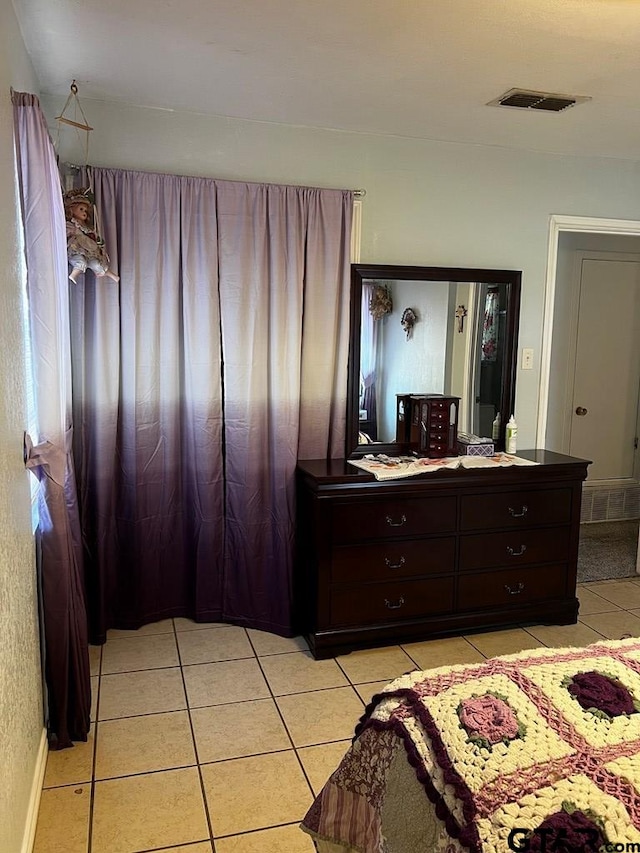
[(514, 548), (511, 586), (515, 509), (382, 519), (438, 417), (388, 602), (386, 561)]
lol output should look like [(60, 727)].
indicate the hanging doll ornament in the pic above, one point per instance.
[(85, 247)]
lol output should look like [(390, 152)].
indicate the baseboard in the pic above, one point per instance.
[(36, 791)]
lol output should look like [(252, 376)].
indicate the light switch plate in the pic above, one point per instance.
[(527, 358)]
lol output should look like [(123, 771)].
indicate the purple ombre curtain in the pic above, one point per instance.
[(198, 381), (48, 455)]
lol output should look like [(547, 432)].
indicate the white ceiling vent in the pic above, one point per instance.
[(525, 99)]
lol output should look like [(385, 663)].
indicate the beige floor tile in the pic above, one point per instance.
[(150, 811), (248, 793), (320, 717), (376, 664), (95, 684), (235, 731), (72, 766), (591, 602), (63, 820), (214, 644), (613, 626), (447, 652), (367, 691), (202, 847), (144, 744), (95, 654), (164, 626), (623, 593), (271, 644), (152, 691), (320, 761), (298, 672), (154, 652), (182, 624), (495, 643), (564, 636), (224, 682), (280, 839)]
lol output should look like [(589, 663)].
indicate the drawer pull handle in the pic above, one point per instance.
[(520, 514), (392, 523), (513, 553), (392, 606), (514, 590), (397, 565)]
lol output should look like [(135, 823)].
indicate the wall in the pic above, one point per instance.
[(21, 723), (431, 203), (415, 365)]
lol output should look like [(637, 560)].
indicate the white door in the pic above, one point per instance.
[(603, 419)]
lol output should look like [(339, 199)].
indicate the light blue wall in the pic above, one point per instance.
[(432, 203)]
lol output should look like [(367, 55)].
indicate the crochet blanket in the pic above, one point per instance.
[(533, 752)]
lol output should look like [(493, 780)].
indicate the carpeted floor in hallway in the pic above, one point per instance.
[(607, 550)]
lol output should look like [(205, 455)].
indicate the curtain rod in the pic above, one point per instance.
[(356, 193)]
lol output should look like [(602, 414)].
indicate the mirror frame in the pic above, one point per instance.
[(390, 272)]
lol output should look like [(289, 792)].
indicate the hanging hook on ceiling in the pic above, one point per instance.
[(73, 98), (71, 114)]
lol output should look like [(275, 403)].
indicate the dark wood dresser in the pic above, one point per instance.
[(382, 562)]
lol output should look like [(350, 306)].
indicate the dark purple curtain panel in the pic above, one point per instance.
[(188, 397), (49, 455), (147, 395)]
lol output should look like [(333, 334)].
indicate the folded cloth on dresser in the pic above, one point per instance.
[(385, 467), (538, 751)]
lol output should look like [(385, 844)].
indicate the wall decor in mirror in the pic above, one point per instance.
[(462, 344)]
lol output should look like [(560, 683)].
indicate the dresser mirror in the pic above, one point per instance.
[(430, 330)]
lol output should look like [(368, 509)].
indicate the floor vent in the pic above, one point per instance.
[(524, 99)]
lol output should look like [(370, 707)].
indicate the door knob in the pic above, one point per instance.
[(581, 411)]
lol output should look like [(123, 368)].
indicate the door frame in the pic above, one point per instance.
[(559, 224)]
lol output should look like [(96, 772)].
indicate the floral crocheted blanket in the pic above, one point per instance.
[(535, 752)]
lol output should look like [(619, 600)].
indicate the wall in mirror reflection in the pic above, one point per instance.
[(444, 354)]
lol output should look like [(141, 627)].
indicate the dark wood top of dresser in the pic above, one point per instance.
[(338, 474)]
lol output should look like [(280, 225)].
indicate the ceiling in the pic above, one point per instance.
[(413, 68)]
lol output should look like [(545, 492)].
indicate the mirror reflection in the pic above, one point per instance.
[(426, 330), (453, 346)]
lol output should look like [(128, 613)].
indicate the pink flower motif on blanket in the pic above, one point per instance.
[(488, 718), (597, 692)]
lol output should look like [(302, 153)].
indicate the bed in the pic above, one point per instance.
[(536, 752)]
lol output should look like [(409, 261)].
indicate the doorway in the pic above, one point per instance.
[(583, 253)]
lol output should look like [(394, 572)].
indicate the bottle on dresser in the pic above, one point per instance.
[(511, 435)]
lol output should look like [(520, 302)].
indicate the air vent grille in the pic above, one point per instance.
[(524, 99)]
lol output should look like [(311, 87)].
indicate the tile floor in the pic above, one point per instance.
[(216, 738)]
